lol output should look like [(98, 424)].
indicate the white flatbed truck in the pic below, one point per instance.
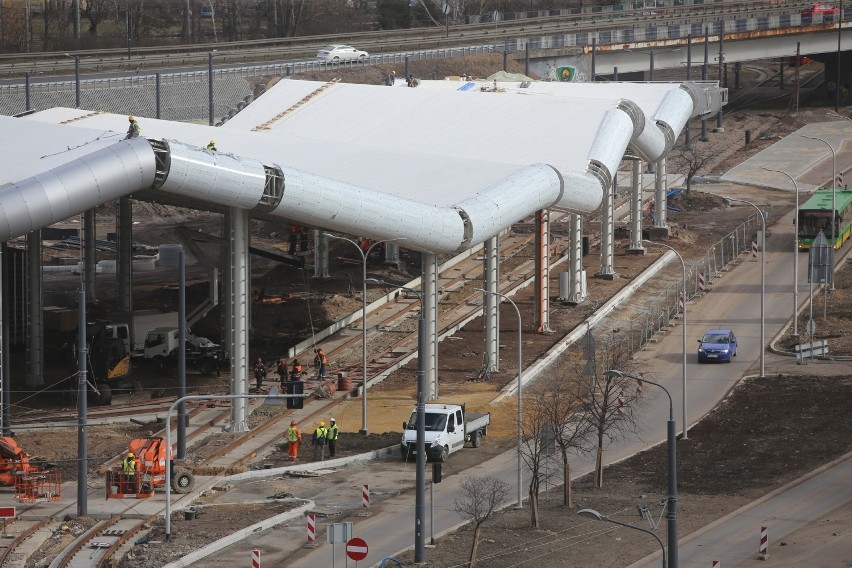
[(448, 427)]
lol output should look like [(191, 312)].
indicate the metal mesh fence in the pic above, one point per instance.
[(183, 96), (655, 313)]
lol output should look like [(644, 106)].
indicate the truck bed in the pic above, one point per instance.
[(477, 420)]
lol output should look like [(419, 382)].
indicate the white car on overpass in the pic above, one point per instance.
[(342, 53)]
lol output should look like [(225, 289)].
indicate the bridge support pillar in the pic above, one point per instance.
[(542, 270), (576, 290), (35, 329), (124, 262), (238, 306), (660, 200), (607, 270), (321, 254), (429, 290), (89, 237), (636, 209), (490, 303)]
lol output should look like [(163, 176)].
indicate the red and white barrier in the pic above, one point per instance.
[(702, 283), (255, 558), (716, 564), (763, 551), (754, 249), (312, 528), (680, 302), (365, 496)]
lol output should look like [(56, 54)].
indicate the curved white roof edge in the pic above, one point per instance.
[(69, 189)]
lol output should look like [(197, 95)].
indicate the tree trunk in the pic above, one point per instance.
[(568, 500), (474, 545), (599, 468), (535, 513)]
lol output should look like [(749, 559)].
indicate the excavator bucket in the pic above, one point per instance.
[(38, 487)]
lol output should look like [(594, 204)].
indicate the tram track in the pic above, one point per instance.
[(21, 531)]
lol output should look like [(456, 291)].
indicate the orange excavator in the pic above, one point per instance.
[(34, 482), (150, 455)]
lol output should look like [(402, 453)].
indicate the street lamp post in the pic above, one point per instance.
[(671, 499), (520, 389), (795, 254), (592, 514), (685, 435), (420, 475), (833, 198), (364, 256), (210, 87), (76, 79), (762, 283)]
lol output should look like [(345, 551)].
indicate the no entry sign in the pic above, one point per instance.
[(356, 548), (7, 512)]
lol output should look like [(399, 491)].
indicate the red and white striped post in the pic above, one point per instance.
[(754, 250), (680, 302), (255, 558), (365, 496), (763, 552), (312, 528), (702, 283)]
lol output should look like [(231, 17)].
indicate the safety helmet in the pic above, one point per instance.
[(322, 423), (332, 420), (131, 118), (130, 454), (212, 141), (292, 423)]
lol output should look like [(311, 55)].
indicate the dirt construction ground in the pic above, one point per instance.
[(768, 432)]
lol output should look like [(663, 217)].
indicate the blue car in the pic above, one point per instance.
[(717, 345)]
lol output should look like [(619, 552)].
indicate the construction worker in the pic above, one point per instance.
[(331, 438), (319, 438), (259, 372), (128, 469), (320, 361), (212, 145), (294, 438), (296, 371), (281, 369), (294, 238), (133, 130), (412, 82)]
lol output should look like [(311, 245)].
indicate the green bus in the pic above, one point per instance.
[(815, 216)]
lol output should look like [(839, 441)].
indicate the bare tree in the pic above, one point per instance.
[(563, 403), (610, 401), (480, 497), (691, 159), (536, 450)]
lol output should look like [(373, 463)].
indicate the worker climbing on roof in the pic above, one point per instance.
[(294, 438), (320, 361), (133, 130), (319, 438), (331, 438), (212, 145), (296, 371)]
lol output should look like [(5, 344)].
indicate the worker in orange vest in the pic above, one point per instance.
[(320, 361), (294, 438)]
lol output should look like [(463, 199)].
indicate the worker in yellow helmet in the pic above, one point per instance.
[(212, 145), (133, 130), (320, 435)]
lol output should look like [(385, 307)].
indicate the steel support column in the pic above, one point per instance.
[(35, 329), (607, 270), (124, 261), (636, 209), (429, 290), (542, 270), (321, 255), (240, 283), (576, 294), (490, 313), (226, 259), (89, 260), (660, 201)]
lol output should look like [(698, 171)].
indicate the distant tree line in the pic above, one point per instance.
[(55, 25)]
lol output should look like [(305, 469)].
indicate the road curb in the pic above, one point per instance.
[(230, 539)]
